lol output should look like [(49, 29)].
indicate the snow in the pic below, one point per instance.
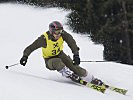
[(20, 25)]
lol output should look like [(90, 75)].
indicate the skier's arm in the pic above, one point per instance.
[(71, 42), (40, 42)]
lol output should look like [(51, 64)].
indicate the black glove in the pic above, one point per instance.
[(76, 59), (23, 60)]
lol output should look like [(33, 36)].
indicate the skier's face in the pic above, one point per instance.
[(57, 34)]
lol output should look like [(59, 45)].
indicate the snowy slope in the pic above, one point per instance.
[(20, 25)]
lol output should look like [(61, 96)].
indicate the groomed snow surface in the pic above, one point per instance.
[(20, 25)]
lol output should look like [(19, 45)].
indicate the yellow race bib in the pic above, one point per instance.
[(53, 47)]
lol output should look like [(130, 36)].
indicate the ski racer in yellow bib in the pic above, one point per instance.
[(53, 47), (55, 58)]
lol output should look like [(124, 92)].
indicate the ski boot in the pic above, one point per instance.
[(69, 74), (66, 72), (98, 82), (74, 77)]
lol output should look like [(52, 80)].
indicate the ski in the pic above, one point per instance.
[(118, 90), (101, 89)]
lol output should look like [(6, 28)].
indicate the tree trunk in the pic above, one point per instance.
[(125, 30)]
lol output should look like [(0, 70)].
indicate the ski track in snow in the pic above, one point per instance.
[(20, 25)]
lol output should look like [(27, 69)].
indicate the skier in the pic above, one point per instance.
[(51, 43)]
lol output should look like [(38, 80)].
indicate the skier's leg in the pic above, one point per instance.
[(69, 63), (90, 78), (57, 64), (81, 72), (54, 64)]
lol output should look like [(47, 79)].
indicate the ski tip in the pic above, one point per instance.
[(118, 90), (124, 92)]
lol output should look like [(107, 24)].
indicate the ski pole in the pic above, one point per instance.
[(11, 65), (102, 61), (95, 61)]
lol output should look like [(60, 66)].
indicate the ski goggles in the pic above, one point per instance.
[(58, 32)]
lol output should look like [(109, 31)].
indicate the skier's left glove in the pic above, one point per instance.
[(76, 59)]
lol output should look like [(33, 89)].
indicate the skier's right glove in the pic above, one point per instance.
[(23, 60)]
